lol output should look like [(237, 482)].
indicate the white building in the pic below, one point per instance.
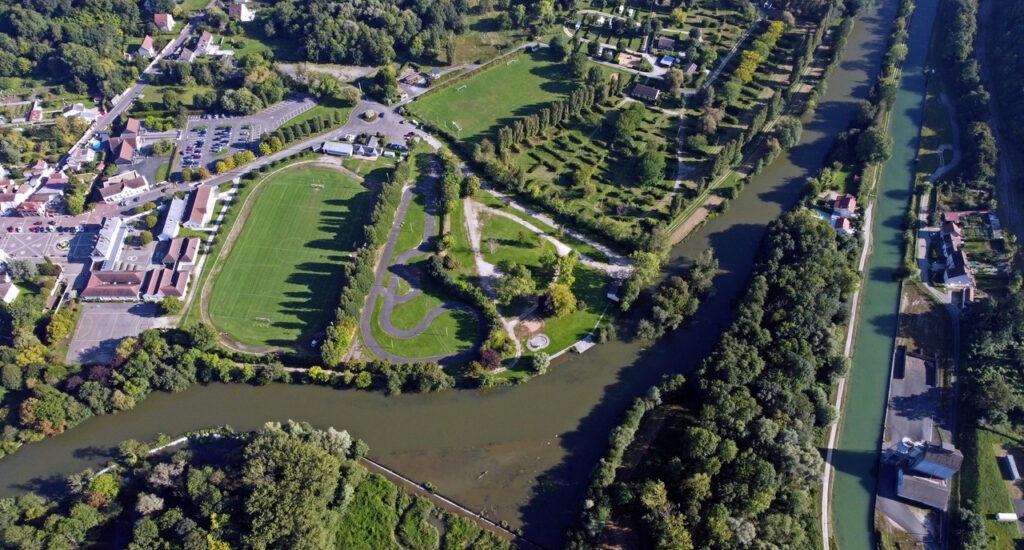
[(200, 210), (123, 186), (338, 149), (172, 220), (147, 49), (107, 250), (80, 111), (164, 21), (241, 12)]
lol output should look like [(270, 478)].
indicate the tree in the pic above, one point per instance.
[(787, 131), (559, 48), (678, 17), (202, 336), (650, 168), (564, 301), (674, 80), (874, 146), (517, 281), (145, 237), (22, 270), (540, 362), (707, 124), (578, 65), (171, 305)]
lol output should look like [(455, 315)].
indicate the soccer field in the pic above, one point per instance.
[(281, 279), (495, 97)]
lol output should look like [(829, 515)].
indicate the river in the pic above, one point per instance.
[(522, 454), (857, 456)]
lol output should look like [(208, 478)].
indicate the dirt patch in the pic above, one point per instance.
[(630, 61), (529, 326)]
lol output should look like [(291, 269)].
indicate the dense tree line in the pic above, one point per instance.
[(284, 486), (957, 25), (1006, 63), (742, 466), (677, 298), (80, 44)]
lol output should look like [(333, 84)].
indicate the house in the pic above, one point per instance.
[(649, 93), (200, 210), (8, 290), (620, 9), (929, 491), (37, 168), (32, 208), (181, 253), (113, 285), (79, 111), (172, 220), (666, 43), (81, 156), (952, 229), (936, 461), (36, 113), (123, 186), (241, 12), (162, 282), (600, 21), (690, 69), (666, 61), (958, 271), (205, 44), (131, 128), (125, 154), (164, 21), (3, 172), (338, 148), (107, 250), (187, 55), (13, 194), (613, 290), (843, 226), (845, 206), (630, 12), (147, 49)]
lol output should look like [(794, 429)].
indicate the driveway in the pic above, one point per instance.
[(103, 325)]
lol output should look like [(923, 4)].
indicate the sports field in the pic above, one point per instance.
[(495, 97), (281, 279)]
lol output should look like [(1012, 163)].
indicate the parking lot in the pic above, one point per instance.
[(102, 327), (211, 138), (65, 245)]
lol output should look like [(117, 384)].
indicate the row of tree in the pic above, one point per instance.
[(1006, 63), (283, 486), (743, 465)]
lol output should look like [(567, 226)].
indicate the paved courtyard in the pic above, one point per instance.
[(103, 325)]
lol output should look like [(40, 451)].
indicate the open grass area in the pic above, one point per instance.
[(161, 172), (495, 97), (450, 333), (984, 480), (590, 288), (282, 276), (485, 39)]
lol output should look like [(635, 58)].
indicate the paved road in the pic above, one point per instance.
[(389, 293)]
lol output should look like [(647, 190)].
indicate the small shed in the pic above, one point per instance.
[(1006, 516), (1011, 465), (667, 61)]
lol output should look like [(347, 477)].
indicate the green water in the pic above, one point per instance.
[(857, 456)]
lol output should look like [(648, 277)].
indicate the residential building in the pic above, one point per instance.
[(241, 12), (35, 114), (3, 172), (200, 210), (107, 250), (952, 229), (113, 285), (80, 111), (8, 290), (845, 206), (125, 154), (172, 219), (12, 194), (147, 49), (666, 43), (844, 227), (958, 273), (337, 148), (649, 93), (123, 186), (929, 491), (690, 69), (37, 168), (162, 282), (205, 44), (164, 21), (82, 156), (131, 128), (181, 253), (187, 55), (32, 208)]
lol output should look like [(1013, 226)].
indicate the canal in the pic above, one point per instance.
[(522, 454), (860, 433)]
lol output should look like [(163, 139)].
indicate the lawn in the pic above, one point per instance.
[(505, 241), (590, 289), (495, 97), (161, 172), (281, 278), (983, 480)]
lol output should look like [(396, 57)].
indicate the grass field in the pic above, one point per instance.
[(281, 279), (451, 333), (982, 479), (495, 97)]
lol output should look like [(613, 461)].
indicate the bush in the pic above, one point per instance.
[(171, 305)]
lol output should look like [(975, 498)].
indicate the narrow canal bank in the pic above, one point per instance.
[(520, 454), (856, 458)]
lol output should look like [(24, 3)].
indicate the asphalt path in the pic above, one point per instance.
[(389, 293)]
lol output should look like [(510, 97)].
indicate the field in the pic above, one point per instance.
[(450, 333), (281, 278), (983, 480), (495, 97)]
